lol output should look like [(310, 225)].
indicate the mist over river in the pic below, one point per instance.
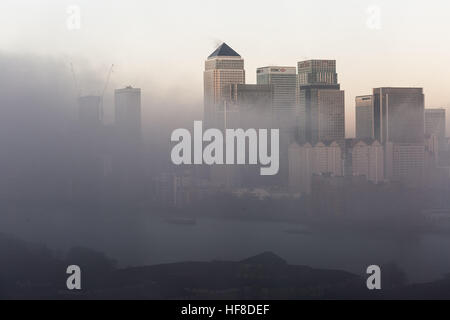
[(144, 239)]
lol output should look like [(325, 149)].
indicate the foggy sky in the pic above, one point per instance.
[(161, 46)]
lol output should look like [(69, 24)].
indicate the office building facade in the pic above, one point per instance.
[(283, 81), (223, 68), (321, 103), (435, 122), (398, 118), (368, 160), (405, 162), (364, 117), (306, 160), (398, 115), (127, 108)]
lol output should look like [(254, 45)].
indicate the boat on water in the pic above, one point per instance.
[(182, 221), (297, 231)]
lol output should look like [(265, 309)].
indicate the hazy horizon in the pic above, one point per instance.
[(161, 47), (106, 197)]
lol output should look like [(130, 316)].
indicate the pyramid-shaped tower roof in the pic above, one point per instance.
[(224, 50)]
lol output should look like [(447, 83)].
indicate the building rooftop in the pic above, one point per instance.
[(434, 109), (400, 89), (277, 69), (224, 50)]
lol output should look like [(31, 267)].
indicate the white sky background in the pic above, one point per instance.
[(161, 46)]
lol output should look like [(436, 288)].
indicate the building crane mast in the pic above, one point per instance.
[(75, 80), (107, 80), (102, 94), (104, 90)]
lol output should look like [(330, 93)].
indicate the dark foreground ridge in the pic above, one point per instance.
[(34, 272)]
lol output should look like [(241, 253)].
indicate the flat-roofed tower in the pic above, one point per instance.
[(435, 122), (398, 115), (364, 117), (321, 107)]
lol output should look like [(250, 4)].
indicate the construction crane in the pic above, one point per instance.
[(110, 71), (107, 80), (102, 94), (75, 80)]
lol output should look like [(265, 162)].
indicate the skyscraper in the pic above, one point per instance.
[(254, 103), (222, 68), (128, 113), (283, 81), (321, 107), (399, 125), (435, 122), (398, 115), (364, 117), (331, 117), (127, 160), (251, 95), (317, 72)]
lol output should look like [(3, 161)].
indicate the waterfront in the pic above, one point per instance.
[(143, 239)]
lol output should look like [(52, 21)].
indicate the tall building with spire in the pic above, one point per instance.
[(223, 68)]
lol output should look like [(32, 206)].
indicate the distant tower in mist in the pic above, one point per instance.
[(398, 115), (398, 123), (364, 117), (127, 109), (222, 68), (254, 103), (283, 81), (90, 111), (127, 165), (435, 122), (321, 113)]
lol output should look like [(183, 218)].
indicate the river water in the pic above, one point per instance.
[(146, 240)]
